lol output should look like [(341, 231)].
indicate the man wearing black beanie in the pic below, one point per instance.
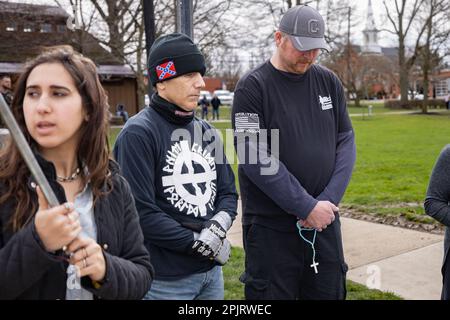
[(182, 184)]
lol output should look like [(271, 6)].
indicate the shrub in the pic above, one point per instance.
[(414, 104)]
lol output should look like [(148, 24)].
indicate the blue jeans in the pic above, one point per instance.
[(199, 286)]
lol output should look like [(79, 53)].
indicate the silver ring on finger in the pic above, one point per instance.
[(84, 263)]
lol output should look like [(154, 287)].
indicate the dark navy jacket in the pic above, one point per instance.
[(178, 183)]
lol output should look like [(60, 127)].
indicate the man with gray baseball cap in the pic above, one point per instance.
[(291, 229), (305, 28)]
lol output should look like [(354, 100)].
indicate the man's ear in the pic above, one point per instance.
[(278, 36), (160, 86)]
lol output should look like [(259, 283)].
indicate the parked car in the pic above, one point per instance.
[(225, 96), (205, 93), (412, 95)]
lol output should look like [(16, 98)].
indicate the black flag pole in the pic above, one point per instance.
[(184, 24), (186, 18), (150, 32)]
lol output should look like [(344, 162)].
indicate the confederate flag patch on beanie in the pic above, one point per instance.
[(173, 55), (166, 70)]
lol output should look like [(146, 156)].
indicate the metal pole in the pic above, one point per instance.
[(177, 16), (187, 26), (150, 33)]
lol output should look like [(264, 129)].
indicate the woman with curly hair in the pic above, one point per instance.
[(62, 110)]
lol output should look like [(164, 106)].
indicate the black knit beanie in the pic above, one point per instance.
[(174, 55)]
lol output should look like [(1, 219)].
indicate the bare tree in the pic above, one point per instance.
[(402, 20), (229, 69), (120, 17), (437, 34), (291, 3), (114, 24), (119, 26), (83, 23), (367, 71)]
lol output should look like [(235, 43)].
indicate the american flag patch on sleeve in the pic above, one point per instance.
[(246, 122)]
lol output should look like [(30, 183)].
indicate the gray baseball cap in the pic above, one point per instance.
[(305, 28)]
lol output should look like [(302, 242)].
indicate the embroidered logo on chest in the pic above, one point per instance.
[(325, 102)]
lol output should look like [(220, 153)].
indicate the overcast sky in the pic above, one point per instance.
[(359, 16), (265, 25)]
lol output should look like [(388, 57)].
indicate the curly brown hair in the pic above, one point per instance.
[(92, 150)]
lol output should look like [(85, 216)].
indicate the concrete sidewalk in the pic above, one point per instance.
[(388, 258)]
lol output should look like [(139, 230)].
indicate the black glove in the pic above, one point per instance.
[(212, 235)]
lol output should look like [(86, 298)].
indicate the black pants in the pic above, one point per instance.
[(278, 264)]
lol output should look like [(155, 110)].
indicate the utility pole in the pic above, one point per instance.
[(177, 4), (184, 19), (183, 23), (149, 23)]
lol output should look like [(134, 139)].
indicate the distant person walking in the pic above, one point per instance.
[(121, 112), (204, 103), (215, 103)]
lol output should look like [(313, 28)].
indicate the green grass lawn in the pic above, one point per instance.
[(113, 132), (377, 107), (224, 112), (234, 289), (395, 156)]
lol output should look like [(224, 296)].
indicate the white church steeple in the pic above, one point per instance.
[(371, 33)]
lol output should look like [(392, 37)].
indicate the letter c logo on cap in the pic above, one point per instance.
[(313, 26)]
